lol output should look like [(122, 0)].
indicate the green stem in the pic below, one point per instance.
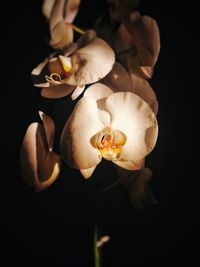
[(97, 250)]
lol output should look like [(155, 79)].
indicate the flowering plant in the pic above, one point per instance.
[(106, 71)]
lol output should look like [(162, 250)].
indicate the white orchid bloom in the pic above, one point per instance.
[(119, 127), (83, 63), (60, 14), (40, 165)]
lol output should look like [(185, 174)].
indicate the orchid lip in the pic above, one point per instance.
[(110, 143)]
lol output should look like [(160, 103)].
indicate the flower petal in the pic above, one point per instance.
[(92, 62), (98, 91), (129, 165), (71, 10), (84, 123), (87, 173), (39, 166), (47, 7), (78, 91), (136, 120), (49, 127), (136, 183), (57, 91), (61, 35), (56, 13)]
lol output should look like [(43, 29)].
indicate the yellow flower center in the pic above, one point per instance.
[(110, 143)]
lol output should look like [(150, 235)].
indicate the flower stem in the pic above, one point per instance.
[(97, 250), (75, 28)]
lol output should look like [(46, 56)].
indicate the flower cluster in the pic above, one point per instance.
[(108, 67)]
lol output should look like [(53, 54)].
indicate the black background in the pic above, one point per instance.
[(56, 226)]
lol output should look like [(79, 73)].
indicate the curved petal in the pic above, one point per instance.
[(87, 173), (61, 35), (39, 166), (78, 91), (92, 62), (49, 127), (130, 165), (71, 10), (136, 120), (84, 123), (47, 7), (57, 91), (98, 91)]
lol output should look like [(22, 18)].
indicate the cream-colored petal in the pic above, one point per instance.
[(56, 13), (84, 123), (129, 165), (134, 117), (92, 62), (47, 7), (88, 36), (39, 166), (71, 10), (61, 35), (57, 91), (40, 67), (49, 127), (87, 173), (78, 91), (98, 91)]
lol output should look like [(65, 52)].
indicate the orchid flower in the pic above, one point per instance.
[(118, 79), (85, 62), (40, 165), (119, 127), (136, 183), (60, 14), (136, 42)]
